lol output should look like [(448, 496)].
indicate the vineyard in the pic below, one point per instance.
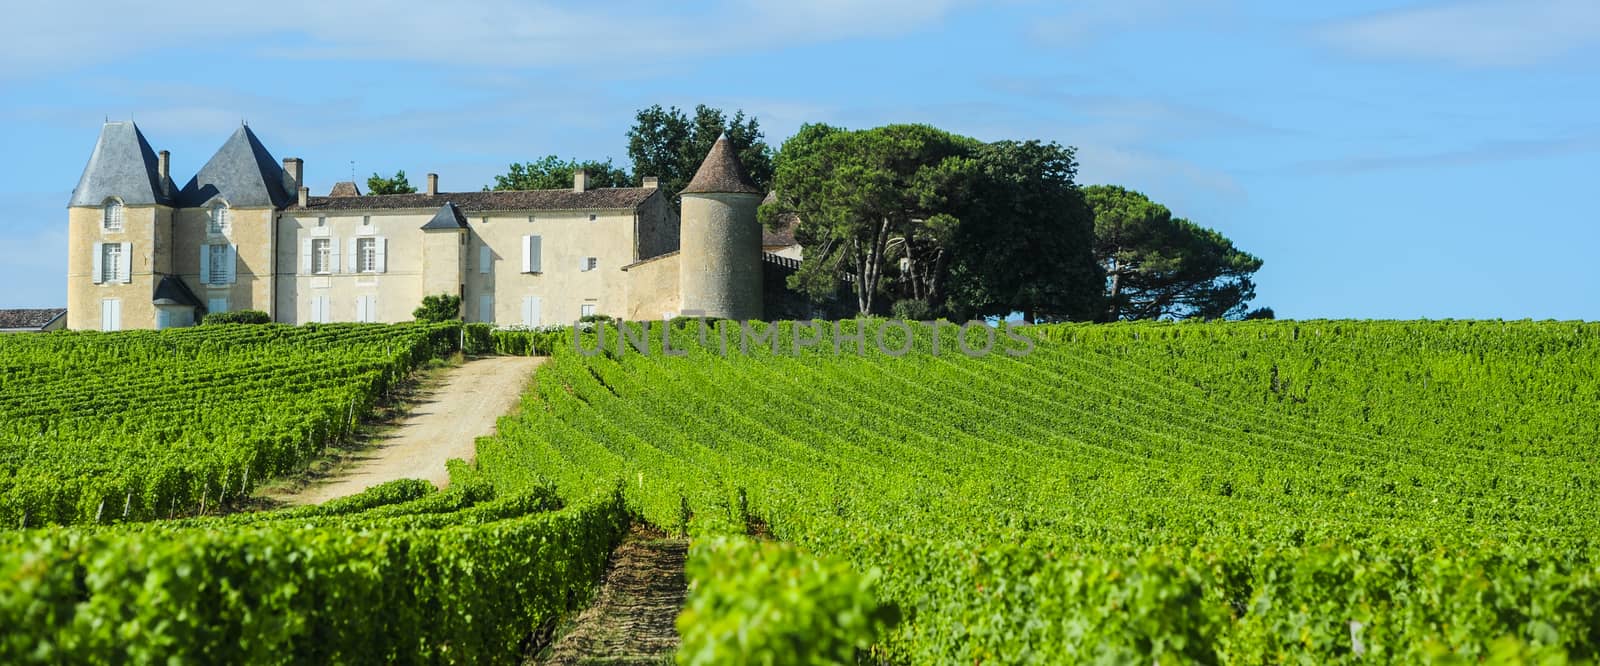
[(1262, 492), (130, 426)]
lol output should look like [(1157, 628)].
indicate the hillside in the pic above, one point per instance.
[(1255, 492)]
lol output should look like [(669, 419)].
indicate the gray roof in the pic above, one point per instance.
[(123, 166), (243, 173), (605, 198), (721, 172), (172, 291), (448, 217), (30, 318)]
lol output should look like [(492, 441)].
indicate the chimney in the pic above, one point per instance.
[(580, 180), (164, 165), (305, 196), (296, 168), (651, 182), (433, 184)]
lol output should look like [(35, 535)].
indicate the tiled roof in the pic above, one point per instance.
[(124, 166), (606, 198), (345, 188), (243, 173), (26, 318), (721, 172)]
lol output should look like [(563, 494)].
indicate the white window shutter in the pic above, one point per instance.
[(305, 256), (127, 268), (205, 264), (484, 258), (527, 254), (486, 308), (232, 263), (536, 252), (361, 308), (99, 263), (382, 252), (350, 257), (530, 311)]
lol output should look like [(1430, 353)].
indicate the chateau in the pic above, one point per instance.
[(245, 234)]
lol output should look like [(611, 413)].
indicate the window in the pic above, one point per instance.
[(366, 255), (319, 310), (486, 308), (531, 261), (589, 264), (218, 264), (593, 217), (586, 310), (111, 216), (219, 219), (366, 220), (111, 314), (322, 221), (485, 258), (321, 255), (219, 304), (367, 309), (111, 263)]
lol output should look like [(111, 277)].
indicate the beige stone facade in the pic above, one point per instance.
[(244, 234)]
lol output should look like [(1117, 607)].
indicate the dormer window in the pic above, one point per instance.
[(111, 215), (219, 219)]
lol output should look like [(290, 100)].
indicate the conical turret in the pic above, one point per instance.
[(720, 241)]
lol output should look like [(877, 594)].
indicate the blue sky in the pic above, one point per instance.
[(1386, 159)]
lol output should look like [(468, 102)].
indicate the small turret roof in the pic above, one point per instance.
[(123, 166), (721, 172), (243, 173), (448, 217), (172, 291)]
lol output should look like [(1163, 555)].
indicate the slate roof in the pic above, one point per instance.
[(244, 173), (124, 166), (171, 290), (30, 318), (721, 172), (606, 198), (345, 188), (448, 217)]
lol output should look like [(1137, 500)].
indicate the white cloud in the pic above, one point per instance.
[(493, 33), (1492, 33)]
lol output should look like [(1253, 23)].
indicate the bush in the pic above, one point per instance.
[(438, 308), (237, 317), (772, 603), (913, 309)]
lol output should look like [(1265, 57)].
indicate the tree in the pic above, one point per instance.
[(668, 144), (397, 185), (554, 173), (1025, 243), (866, 197), (1160, 266), (438, 307)]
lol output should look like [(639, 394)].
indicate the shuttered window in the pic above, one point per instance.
[(321, 255), (111, 262)]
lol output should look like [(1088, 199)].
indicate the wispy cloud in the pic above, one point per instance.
[(1487, 152), (1087, 20), (1480, 33), (487, 33)]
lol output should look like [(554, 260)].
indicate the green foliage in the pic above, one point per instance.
[(398, 184), (106, 427), (770, 603), (486, 339), (237, 317), (1160, 266), (437, 308), (1026, 239), (458, 587), (1239, 492), (914, 309), (554, 173), (670, 145)]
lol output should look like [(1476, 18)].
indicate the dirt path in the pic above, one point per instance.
[(442, 426), (632, 620)]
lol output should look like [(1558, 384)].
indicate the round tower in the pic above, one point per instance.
[(719, 272)]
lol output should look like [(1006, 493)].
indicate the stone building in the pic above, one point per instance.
[(245, 234)]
